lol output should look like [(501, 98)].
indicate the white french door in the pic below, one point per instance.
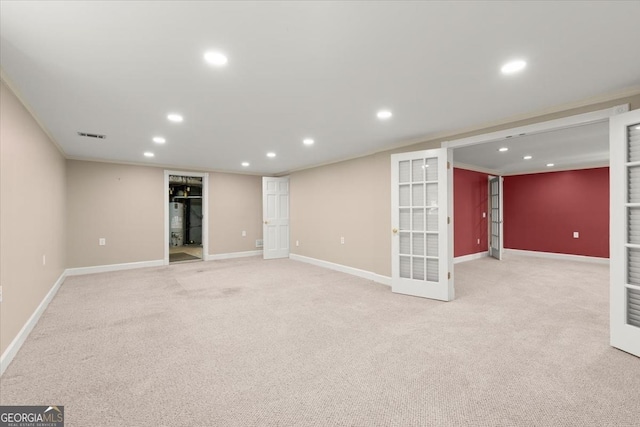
[(422, 242), (624, 146), (275, 217), (495, 193)]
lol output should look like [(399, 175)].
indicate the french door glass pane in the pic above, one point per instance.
[(418, 244), (405, 243), (405, 219), (418, 195), (404, 171), (405, 267), (432, 270), (432, 245), (418, 268), (634, 225), (418, 219), (405, 195), (418, 213), (417, 170), (431, 167)]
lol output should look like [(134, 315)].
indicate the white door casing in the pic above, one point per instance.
[(496, 217), (624, 147), (422, 230), (275, 217)]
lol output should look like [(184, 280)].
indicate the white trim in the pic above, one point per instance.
[(230, 255), (205, 209), (378, 278), (79, 271), (470, 257), (17, 342), (552, 255), (561, 123)]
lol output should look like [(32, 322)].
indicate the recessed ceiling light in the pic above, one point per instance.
[(503, 149), (528, 157), (245, 164), (550, 164), (271, 154), (308, 141), (177, 118), (513, 67), (159, 140), (148, 154), (216, 58), (384, 114)]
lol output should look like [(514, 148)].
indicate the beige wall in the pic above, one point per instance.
[(235, 205), (32, 218), (353, 199), (125, 205)]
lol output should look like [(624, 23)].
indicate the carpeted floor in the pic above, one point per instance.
[(248, 342)]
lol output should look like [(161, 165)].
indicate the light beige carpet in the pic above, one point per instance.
[(280, 343)]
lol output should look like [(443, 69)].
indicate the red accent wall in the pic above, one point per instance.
[(541, 212), (470, 198)]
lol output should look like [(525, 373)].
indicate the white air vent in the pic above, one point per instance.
[(92, 135)]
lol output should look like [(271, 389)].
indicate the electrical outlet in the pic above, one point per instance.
[(478, 241), (297, 242), (576, 235), (102, 241), (259, 243), (44, 260), (342, 240), (484, 214), (0, 293), (244, 233)]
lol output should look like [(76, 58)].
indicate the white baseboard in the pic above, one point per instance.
[(113, 267), (552, 255), (216, 257), (17, 342), (385, 280), (470, 257)]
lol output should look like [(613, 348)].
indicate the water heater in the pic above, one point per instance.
[(176, 224)]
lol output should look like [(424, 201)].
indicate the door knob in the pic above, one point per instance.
[(266, 222), (395, 231)]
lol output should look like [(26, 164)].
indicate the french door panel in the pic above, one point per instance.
[(495, 192), (421, 259), (624, 144)]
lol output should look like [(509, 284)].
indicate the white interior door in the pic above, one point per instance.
[(422, 242), (495, 193), (275, 217), (624, 146)]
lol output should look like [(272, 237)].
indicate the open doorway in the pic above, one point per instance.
[(538, 164), (186, 218)]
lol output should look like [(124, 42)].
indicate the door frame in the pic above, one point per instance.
[(550, 125), (205, 211)]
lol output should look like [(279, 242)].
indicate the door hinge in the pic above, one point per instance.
[(449, 275), (448, 220), (448, 165)]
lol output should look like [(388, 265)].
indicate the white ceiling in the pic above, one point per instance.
[(301, 69), (575, 147)]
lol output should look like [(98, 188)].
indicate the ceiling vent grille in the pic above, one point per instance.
[(92, 135)]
